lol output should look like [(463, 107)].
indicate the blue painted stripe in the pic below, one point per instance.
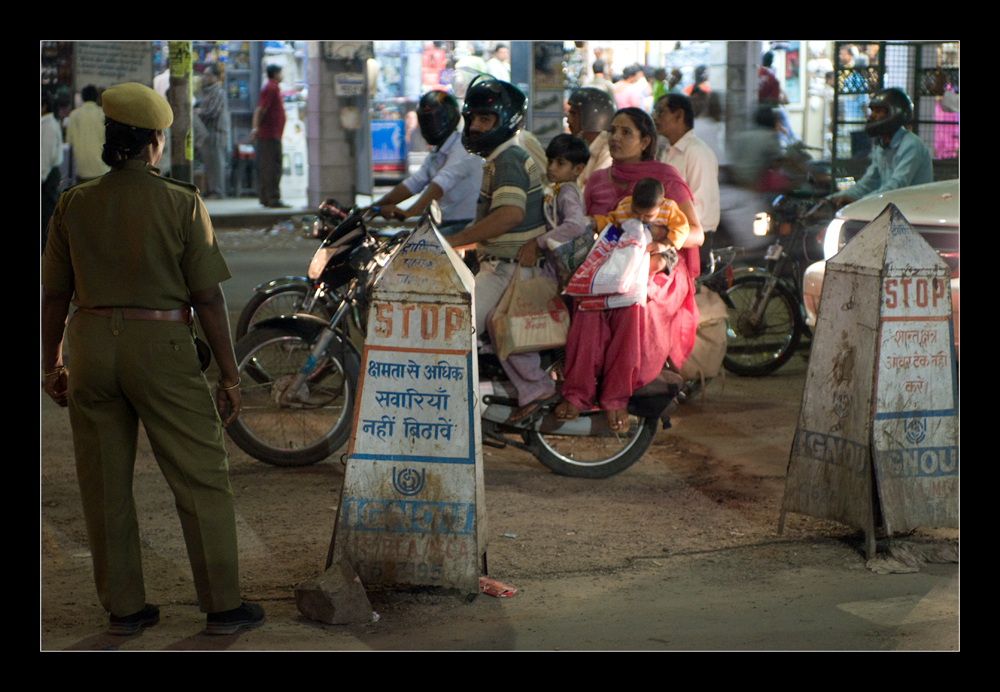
[(425, 460), (896, 415)]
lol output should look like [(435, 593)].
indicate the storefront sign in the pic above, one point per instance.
[(388, 144), (350, 84), (106, 63)]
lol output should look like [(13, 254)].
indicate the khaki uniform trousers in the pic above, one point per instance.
[(123, 372)]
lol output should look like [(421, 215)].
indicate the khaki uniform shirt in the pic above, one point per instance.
[(132, 239)]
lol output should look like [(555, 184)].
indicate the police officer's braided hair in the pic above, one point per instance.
[(123, 142)]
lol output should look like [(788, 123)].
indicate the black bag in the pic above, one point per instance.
[(652, 399)]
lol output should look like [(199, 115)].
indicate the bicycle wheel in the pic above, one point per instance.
[(298, 428), (755, 348)]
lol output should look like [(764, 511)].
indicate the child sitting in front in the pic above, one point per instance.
[(565, 217), (667, 224)]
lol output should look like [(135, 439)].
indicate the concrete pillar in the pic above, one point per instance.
[(743, 58), (179, 96), (332, 155)]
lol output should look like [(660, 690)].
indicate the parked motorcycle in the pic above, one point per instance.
[(300, 375), (766, 316), (299, 371), (314, 294)]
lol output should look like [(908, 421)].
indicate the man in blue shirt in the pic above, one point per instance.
[(450, 174), (900, 158)]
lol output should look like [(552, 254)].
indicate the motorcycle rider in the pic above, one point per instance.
[(900, 159), (590, 113), (450, 174), (509, 213)]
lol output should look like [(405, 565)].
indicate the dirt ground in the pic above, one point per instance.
[(690, 528)]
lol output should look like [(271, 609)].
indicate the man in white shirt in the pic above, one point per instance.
[(85, 133), (499, 64), (693, 159), (50, 159)]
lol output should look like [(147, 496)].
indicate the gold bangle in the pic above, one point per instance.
[(226, 389), (58, 371)]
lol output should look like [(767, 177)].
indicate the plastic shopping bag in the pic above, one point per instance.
[(635, 296), (613, 263), (531, 316)]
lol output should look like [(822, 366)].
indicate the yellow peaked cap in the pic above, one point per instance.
[(137, 105)]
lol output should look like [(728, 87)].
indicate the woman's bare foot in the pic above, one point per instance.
[(618, 420), (567, 411)]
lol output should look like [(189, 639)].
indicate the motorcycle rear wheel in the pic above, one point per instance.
[(594, 457), (312, 424), (758, 349), (283, 300)]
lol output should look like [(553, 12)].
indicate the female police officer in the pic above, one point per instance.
[(134, 252)]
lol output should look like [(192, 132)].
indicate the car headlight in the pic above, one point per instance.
[(831, 241)]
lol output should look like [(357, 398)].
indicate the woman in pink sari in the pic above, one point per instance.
[(628, 347)]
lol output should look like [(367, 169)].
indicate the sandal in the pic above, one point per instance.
[(525, 411)]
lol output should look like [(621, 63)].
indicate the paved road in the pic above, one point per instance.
[(701, 567), (813, 594)]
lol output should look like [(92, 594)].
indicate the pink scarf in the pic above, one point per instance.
[(602, 195)]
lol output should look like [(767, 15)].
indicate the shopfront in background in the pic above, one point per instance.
[(68, 66), (545, 70), (244, 67), (403, 72)]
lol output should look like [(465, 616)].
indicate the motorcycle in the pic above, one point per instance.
[(299, 370), (313, 294), (766, 316), (300, 374)]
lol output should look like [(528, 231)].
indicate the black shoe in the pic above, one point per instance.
[(247, 616), (131, 624)]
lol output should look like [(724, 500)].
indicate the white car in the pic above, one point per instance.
[(931, 209)]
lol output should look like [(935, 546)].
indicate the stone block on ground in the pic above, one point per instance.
[(336, 597)]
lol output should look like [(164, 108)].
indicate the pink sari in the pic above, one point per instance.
[(664, 328)]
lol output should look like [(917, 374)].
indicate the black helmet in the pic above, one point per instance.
[(597, 108), (438, 116), (899, 111), (488, 95)]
